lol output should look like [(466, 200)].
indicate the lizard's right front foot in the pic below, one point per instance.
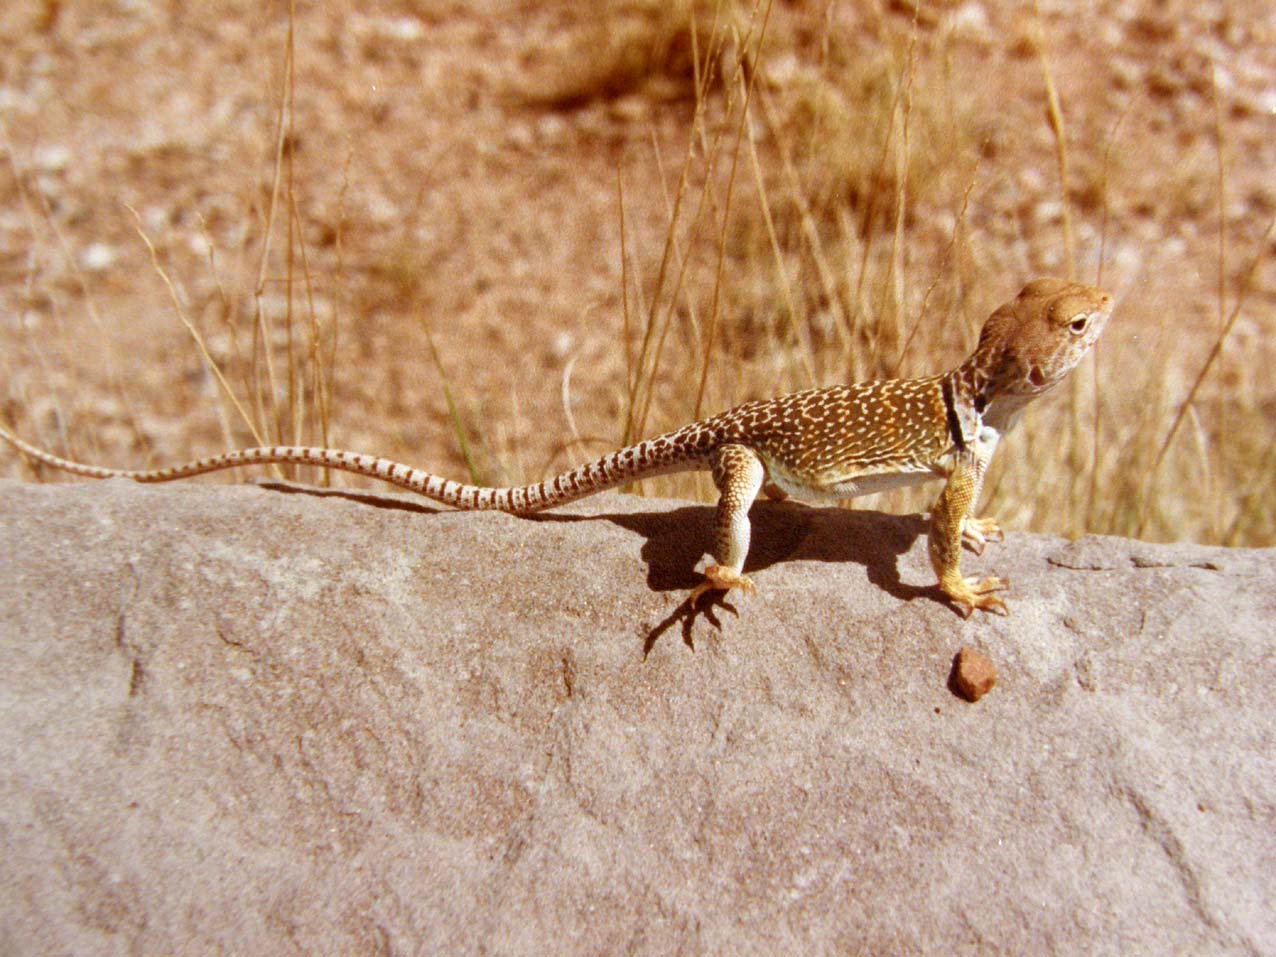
[(971, 593), (977, 532), (721, 578)]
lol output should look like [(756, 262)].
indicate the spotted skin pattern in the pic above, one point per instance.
[(819, 444)]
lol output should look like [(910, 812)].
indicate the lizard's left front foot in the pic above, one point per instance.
[(721, 578), (978, 532), (972, 593)]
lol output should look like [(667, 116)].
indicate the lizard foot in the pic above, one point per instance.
[(971, 593), (720, 578), (978, 532)]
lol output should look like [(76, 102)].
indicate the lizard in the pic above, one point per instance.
[(819, 445)]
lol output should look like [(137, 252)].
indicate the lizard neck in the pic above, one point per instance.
[(981, 384), (972, 385), (964, 405)]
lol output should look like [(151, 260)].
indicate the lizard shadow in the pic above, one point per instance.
[(387, 500), (781, 531), (675, 541)]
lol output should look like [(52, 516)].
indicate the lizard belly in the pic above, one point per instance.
[(852, 487)]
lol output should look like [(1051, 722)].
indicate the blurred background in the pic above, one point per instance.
[(496, 238)]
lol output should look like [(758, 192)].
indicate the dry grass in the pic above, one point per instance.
[(824, 288), (833, 211)]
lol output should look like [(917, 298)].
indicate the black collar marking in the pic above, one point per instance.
[(954, 423)]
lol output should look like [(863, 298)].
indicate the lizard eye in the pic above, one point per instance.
[(1078, 325)]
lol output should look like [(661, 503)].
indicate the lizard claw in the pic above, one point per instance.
[(972, 593), (721, 578), (978, 532)]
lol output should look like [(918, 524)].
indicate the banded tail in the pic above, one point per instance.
[(678, 451)]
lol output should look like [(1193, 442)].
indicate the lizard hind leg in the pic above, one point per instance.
[(738, 473)]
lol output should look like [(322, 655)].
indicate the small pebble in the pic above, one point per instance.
[(98, 257), (973, 674)]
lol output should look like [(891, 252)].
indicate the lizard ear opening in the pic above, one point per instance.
[(1079, 324)]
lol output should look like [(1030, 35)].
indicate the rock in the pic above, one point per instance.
[(241, 720), (973, 674)]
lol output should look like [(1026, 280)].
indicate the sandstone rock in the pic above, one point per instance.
[(241, 720)]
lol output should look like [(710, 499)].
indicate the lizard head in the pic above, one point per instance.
[(1032, 342)]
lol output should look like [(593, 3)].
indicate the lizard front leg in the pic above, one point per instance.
[(978, 532), (948, 523), (738, 473)]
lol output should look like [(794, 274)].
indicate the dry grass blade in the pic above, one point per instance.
[(209, 361), (945, 263), (1216, 350), (316, 388), (1251, 512), (626, 323), (453, 412), (896, 269), (1078, 497), (110, 362), (806, 220), (726, 206), (644, 370), (805, 351), (636, 367), (263, 339), (1221, 192), (1054, 113)]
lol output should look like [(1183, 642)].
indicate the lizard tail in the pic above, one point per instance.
[(672, 452)]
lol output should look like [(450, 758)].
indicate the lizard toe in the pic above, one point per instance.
[(721, 578)]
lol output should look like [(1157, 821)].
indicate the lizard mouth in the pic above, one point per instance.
[(1033, 381)]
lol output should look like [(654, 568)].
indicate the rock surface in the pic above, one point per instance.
[(246, 721)]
